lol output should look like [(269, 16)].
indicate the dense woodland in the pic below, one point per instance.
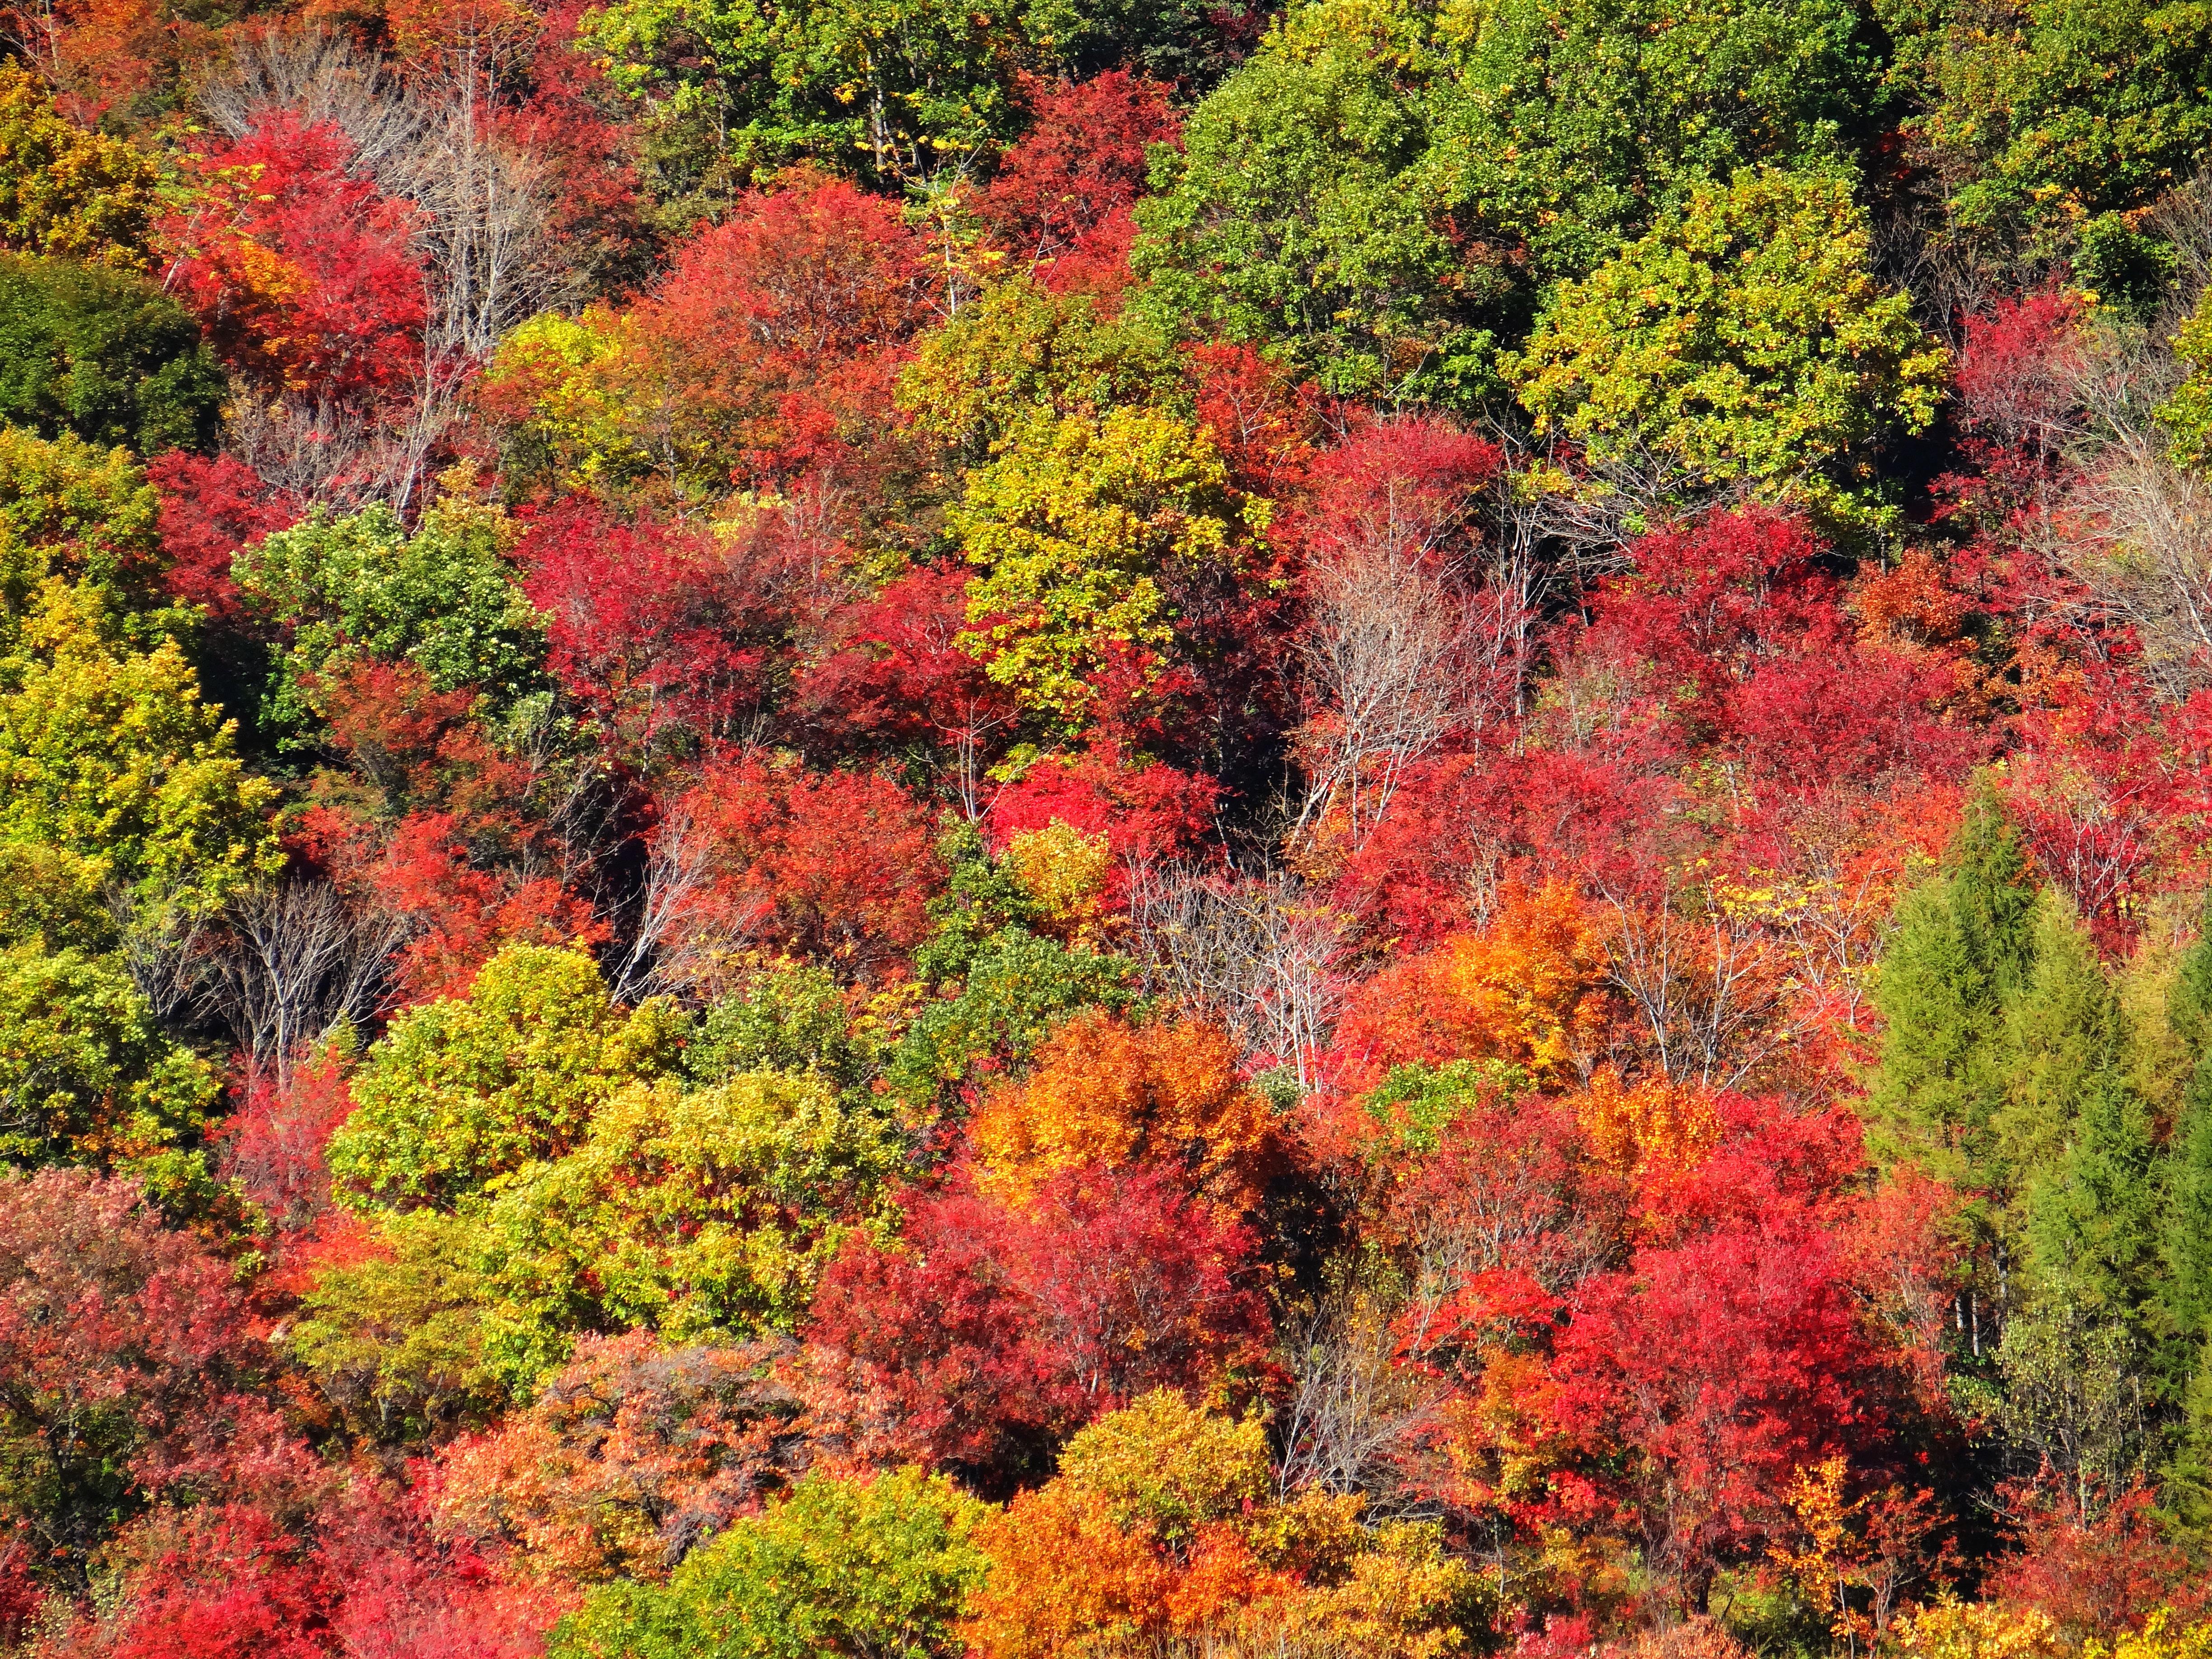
[(898, 829)]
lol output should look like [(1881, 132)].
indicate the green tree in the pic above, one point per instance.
[(459, 1092), (1386, 190), (444, 598), (71, 508), (2063, 1040), (86, 1075), (2186, 1238), (702, 1216), (1020, 349), (1083, 525), (105, 355), (1741, 343), (2187, 1232), (791, 1016), (66, 191), (109, 753), (2092, 1220), (1962, 950), (1013, 992), (893, 89), (2053, 122), (1575, 126), (396, 1336), (1299, 212), (864, 1567)]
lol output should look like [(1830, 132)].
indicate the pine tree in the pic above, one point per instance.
[(2063, 1042), (2092, 1219), (2188, 1229), (1963, 947), (2185, 1328)]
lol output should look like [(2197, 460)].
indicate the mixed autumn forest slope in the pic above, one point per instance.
[(883, 828)]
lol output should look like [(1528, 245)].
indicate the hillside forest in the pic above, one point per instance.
[(1079, 830)]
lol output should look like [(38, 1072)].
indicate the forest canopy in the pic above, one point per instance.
[(1297, 830)]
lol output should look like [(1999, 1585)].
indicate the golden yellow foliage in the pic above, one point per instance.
[(1525, 990), (1975, 1630), (1161, 1534), (1657, 1122), (1065, 872), (1102, 1092), (2156, 1640)]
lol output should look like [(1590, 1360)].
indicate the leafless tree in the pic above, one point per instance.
[(160, 942), (1398, 656), (1258, 953), (1699, 972), (293, 958), (484, 205), (316, 450), (1356, 1420)]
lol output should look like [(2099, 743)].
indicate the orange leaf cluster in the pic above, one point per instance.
[(1526, 989), (1105, 1093)]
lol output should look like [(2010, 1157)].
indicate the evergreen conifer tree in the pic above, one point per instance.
[(1963, 947)]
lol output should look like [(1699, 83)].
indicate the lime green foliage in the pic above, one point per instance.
[(105, 355), (51, 898), (865, 1567), (2185, 1241), (791, 1016), (2159, 1639), (1299, 210), (2063, 1040), (702, 1216), (1418, 1103), (982, 898), (2188, 1242), (85, 1074), (889, 88), (1077, 524), (461, 1090), (1742, 342), (2187, 413), (1021, 348), (1386, 187), (109, 753), (445, 598), (2056, 117), (396, 1340), (67, 192), (1962, 950), (1573, 127), (68, 507), (2092, 1219), (1015, 991), (567, 370)]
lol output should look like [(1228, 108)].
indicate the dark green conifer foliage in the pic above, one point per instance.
[(2186, 1321), (2092, 1217), (2063, 1043), (1962, 948), (2188, 1231)]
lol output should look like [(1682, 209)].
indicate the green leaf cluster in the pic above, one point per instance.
[(467, 1089), (109, 753), (1082, 523), (865, 1567), (1742, 342), (444, 598), (890, 88), (105, 355), (67, 192)]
